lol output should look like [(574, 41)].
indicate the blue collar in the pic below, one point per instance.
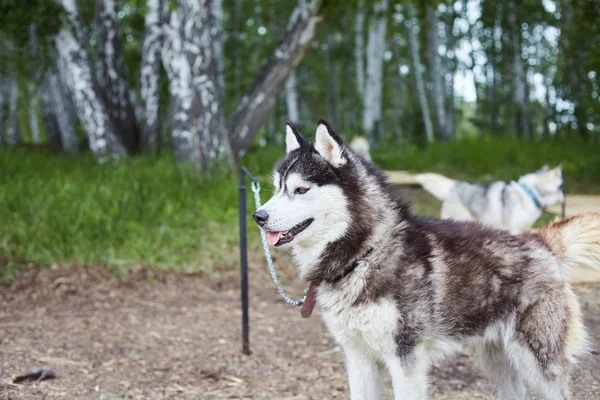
[(531, 195)]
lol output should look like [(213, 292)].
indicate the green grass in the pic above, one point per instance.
[(58, 209)]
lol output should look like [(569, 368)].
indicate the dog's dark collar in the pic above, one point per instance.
[(531, 195), (311, 297), (350, 268)]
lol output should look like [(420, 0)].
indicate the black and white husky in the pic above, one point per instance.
[(514, 206), (400, 292)]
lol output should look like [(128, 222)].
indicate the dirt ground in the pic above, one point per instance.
[(165, 336)]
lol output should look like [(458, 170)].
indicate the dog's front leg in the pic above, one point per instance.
[(409, 378), (364, 375)]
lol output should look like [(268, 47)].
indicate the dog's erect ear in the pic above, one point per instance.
[(557, 170), (293, 139), (329, 145)]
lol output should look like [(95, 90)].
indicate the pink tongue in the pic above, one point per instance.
[(273, 238)]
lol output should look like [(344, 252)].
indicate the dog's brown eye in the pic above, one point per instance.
[(301, 190)]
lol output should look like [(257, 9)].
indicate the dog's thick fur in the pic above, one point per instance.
[(399, 291), (502, 205)]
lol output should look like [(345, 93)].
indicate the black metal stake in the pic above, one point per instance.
[(244, 258), (564, 190), (244, 265)]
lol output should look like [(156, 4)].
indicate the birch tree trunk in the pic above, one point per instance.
[(291, 94), (333, 97), (237, 69), (493, 99), (575, 76), (471, 37), (33, 117), (35, 51), (3, 91), (302, 79), (154, 20), (492, 75), (217, 34), (449, 73), (291, 98), (58, 113), (399, 94), (12, 129), (254, 106), (197, 127), (114, 83), (73, 60), (519, 77), (49, 115), (349, 99), (550, 108), (435, 73), (359, 50), (412, 29), (372, 107)]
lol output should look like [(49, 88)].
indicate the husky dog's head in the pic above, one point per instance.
[(547, 184), (325, 203)]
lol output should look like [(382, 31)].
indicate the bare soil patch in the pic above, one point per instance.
[(160, 335)]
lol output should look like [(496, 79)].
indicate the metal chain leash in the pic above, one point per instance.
[(263, 236)]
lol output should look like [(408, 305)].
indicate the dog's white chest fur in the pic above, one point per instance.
[(369, 326)]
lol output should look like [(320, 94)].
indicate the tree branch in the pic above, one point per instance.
[(251, 113)]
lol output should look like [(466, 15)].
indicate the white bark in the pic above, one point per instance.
[(237, 68), (359, 50), (74, 62), (291, 98), (435, 72), (197, 128), (449, 73), (492, 76), (412, 28), (58, 114), (50, 113), (12, 130), (373, 95), (2, 100), (291, 94), (399, 94), (114, 83), (35, 51), (33, 117), (217, 34), (150, 70)]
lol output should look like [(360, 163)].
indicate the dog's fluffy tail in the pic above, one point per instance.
[(575, 240), (436, 184)]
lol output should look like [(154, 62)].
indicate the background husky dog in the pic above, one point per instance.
[(514, 206), (402, 291)]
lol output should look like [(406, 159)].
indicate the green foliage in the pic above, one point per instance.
[(16, 17), (61, 209)]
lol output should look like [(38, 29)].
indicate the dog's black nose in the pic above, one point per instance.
[(261, 217)]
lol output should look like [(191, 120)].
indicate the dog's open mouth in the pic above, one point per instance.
[(281, 238)]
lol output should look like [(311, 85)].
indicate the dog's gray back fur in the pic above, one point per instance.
[(482, 199), (503, 205)]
